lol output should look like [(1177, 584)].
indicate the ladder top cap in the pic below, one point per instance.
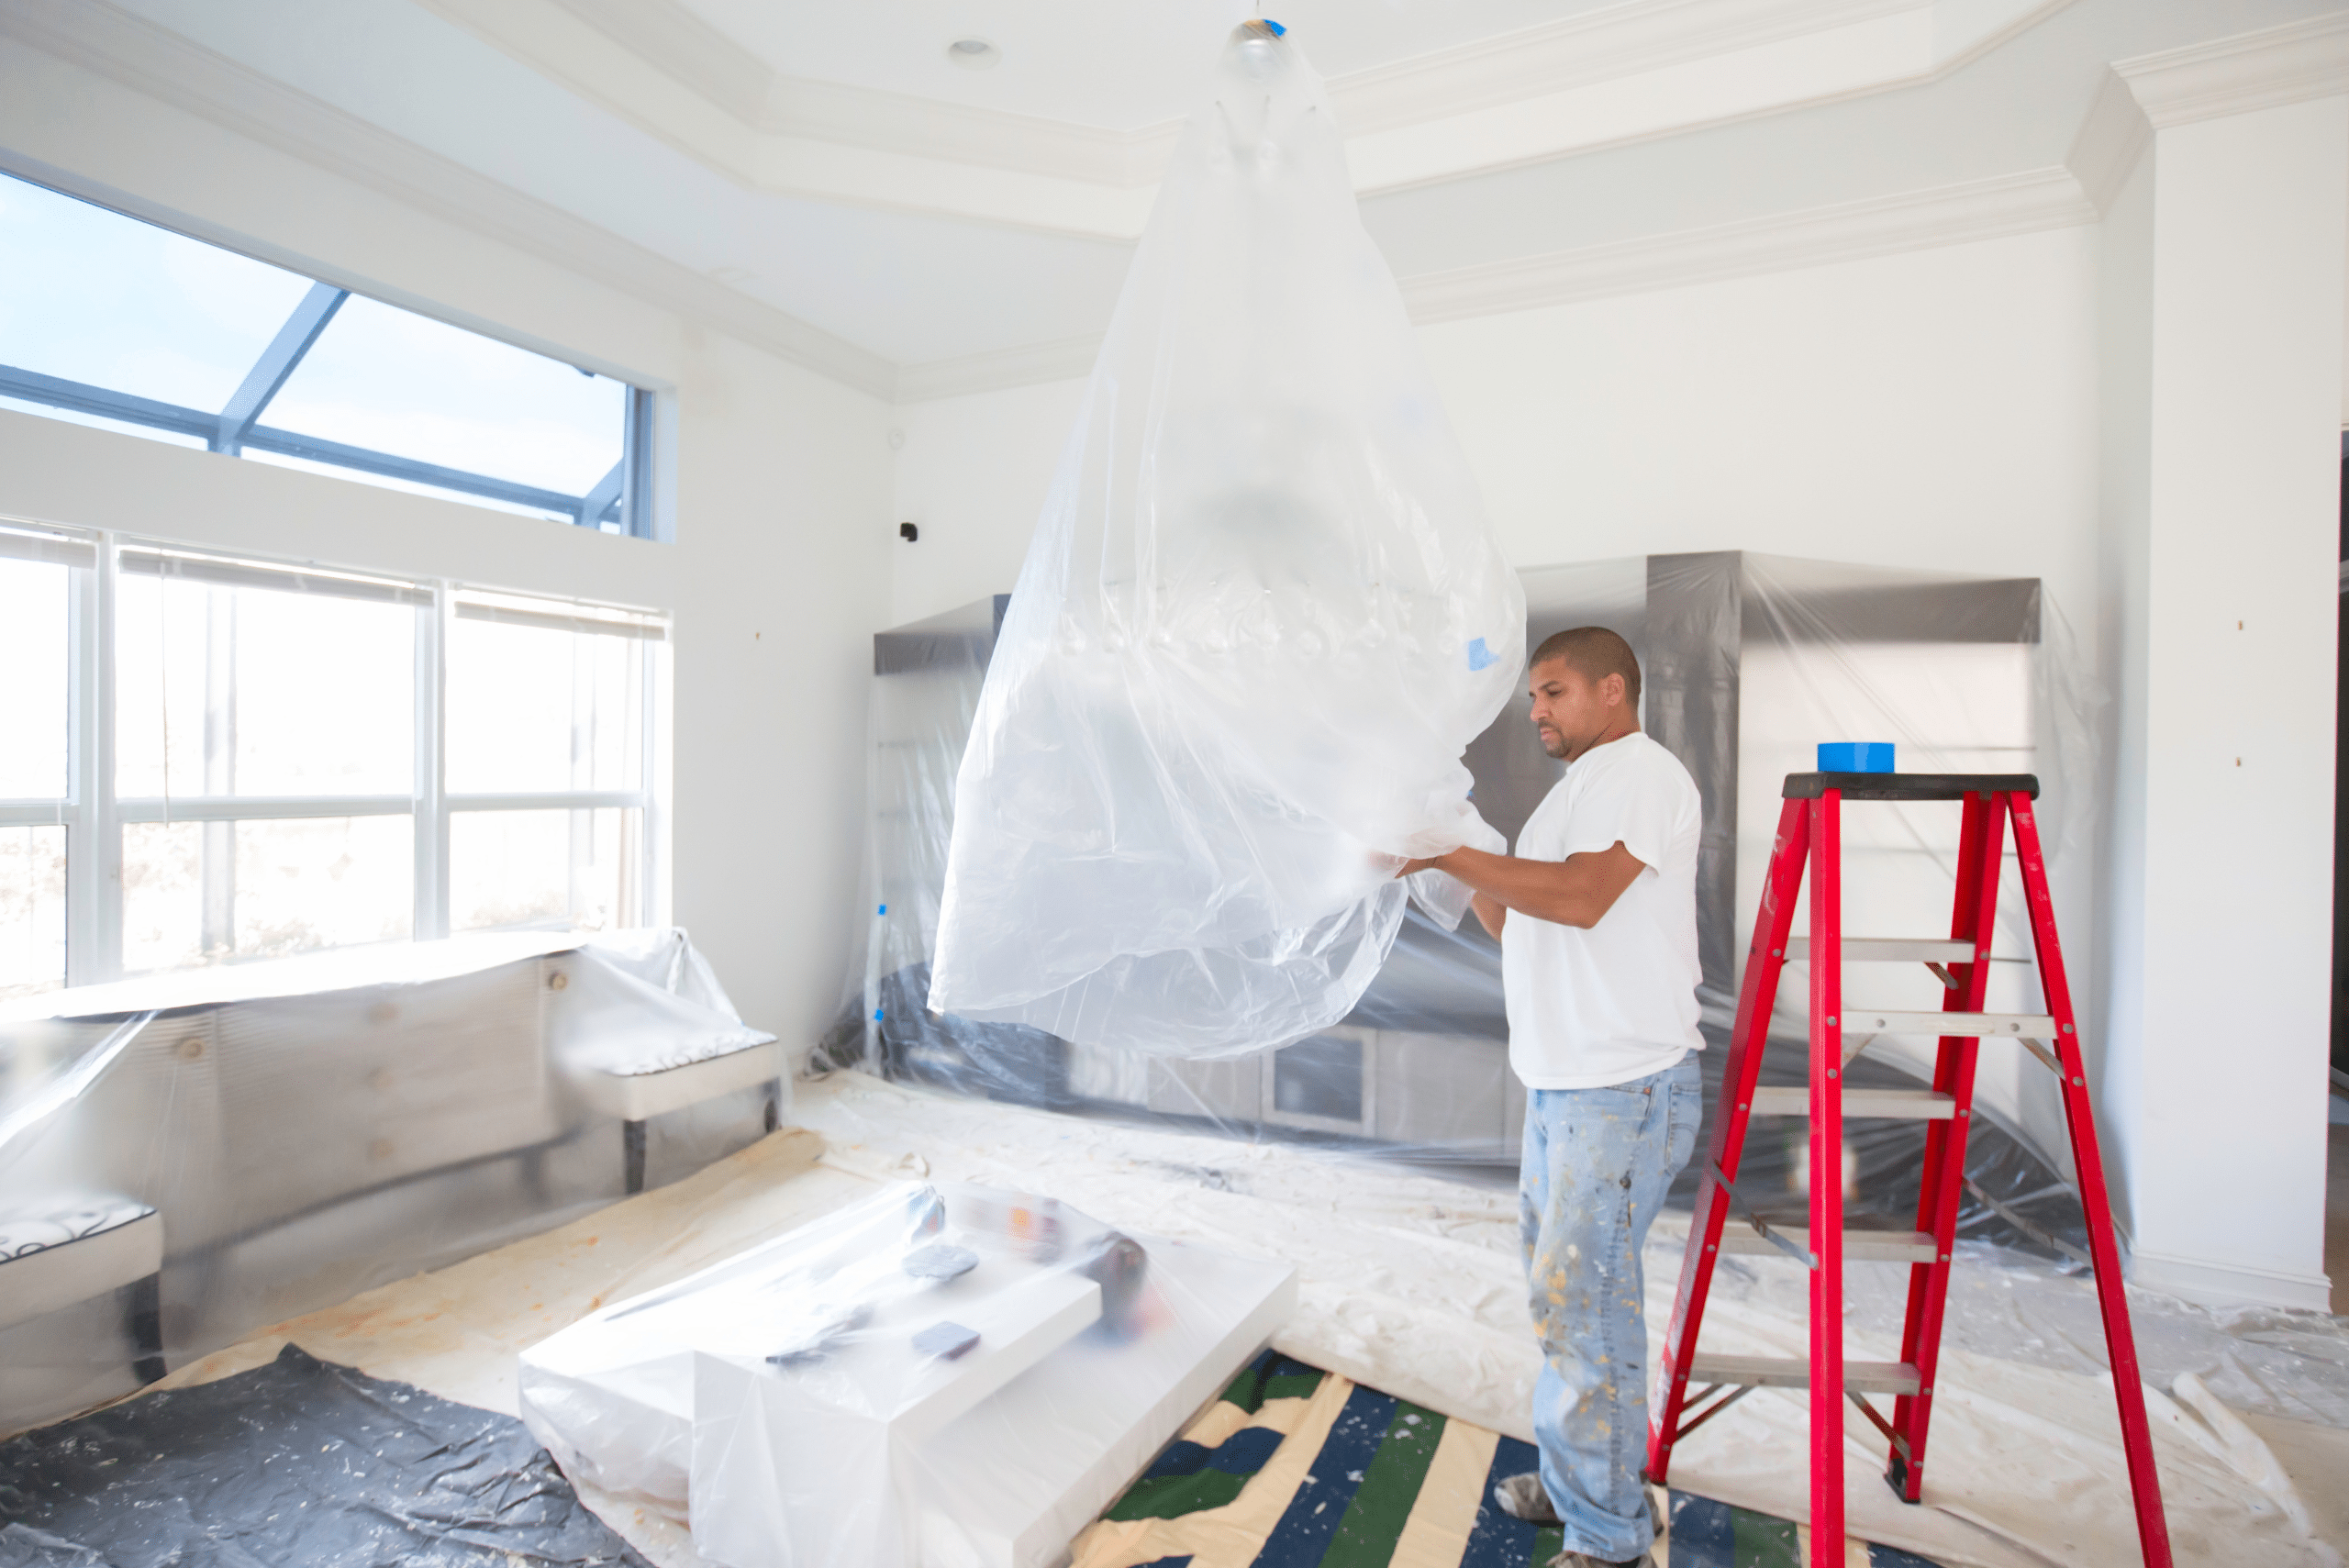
[(1909, 786)]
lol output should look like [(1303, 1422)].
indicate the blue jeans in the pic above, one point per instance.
[(1596, 1166)]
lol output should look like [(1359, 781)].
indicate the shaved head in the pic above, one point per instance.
[(1594, 653)]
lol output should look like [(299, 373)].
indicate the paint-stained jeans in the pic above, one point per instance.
[(1596, 1166)]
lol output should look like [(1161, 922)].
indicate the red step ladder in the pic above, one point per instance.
[(1810, 832)]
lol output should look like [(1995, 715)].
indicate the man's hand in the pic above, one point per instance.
[(1490, 913)]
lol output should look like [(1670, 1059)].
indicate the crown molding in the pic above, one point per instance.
[(1633, 71), (672, 39), (1766, 61), (1030, 364), (2112, 139), (1847, 231), (103, 39), (1916, 220), (2262, 70), (955, 133), (1625, 39)]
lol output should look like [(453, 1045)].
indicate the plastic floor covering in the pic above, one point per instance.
[(301, 1460), (1410, 1283)]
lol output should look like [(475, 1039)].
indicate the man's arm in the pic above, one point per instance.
[(1576, 891)]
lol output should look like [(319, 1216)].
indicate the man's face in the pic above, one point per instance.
[(1570, 710)]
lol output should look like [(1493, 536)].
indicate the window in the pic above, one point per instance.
[(36, 583), (547, 740), (113, 322), (302, 758)]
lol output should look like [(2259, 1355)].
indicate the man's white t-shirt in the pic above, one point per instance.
[(1590, 1009)]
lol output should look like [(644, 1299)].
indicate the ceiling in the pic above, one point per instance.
[(1114, 67), (824, 172)]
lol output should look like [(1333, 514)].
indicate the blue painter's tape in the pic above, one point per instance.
[(883, 910), (876, 1015), (1481, 657), (1278, 31), (1302, 1538), (1855, 757)]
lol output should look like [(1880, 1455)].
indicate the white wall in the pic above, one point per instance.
[(777, 479), (2225, 356), (1936, 408), (971, 472), (1952, 408)]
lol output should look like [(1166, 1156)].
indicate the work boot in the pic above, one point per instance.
[(1524, 1497), (1584, 1559)]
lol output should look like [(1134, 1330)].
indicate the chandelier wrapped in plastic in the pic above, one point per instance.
[(1263, 615)]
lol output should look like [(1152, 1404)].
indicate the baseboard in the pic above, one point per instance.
[(2228, 1284)]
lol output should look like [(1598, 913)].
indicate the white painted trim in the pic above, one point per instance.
[(1628, 72), (1627, 39), (955, 133), (1030, 364), (2262, 70), (1914, 220), (2112, 139), (672, 39), (2228, 1284), (2228, 76), (104, 38), (1849, 231)]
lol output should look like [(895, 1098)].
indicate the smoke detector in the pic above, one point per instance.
[(974, 54)]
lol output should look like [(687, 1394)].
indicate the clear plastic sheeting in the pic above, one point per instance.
[(1749, 663), (1263, 613), (310, 1127), (943, 1374)]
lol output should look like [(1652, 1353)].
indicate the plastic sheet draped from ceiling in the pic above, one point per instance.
[(310, 1127), (1261, 615), (1750, 661)]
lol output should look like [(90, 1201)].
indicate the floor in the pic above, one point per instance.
[(1408, 1283)]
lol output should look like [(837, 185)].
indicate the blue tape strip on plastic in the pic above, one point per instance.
[(1481, 657)]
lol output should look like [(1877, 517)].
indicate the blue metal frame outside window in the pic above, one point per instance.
[(622, 496)]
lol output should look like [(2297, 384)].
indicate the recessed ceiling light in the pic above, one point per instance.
[(973, 54)]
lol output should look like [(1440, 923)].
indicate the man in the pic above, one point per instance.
[(1597, 917)]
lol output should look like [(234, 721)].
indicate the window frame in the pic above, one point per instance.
[(94, 816), (624, 493)]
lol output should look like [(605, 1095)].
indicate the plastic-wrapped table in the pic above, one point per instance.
[(942, 1375)]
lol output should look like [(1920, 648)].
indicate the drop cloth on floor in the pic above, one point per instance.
[(1409, 1283)]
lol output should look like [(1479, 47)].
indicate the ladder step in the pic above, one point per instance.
[(1906, 1105), (1863, 1246), (1794, 1371), (1889, 950), (2009, 1026)]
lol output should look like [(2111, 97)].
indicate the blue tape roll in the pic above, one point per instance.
[(1855, 757)]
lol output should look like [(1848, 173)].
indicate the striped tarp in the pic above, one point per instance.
[(1297, 1468)]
